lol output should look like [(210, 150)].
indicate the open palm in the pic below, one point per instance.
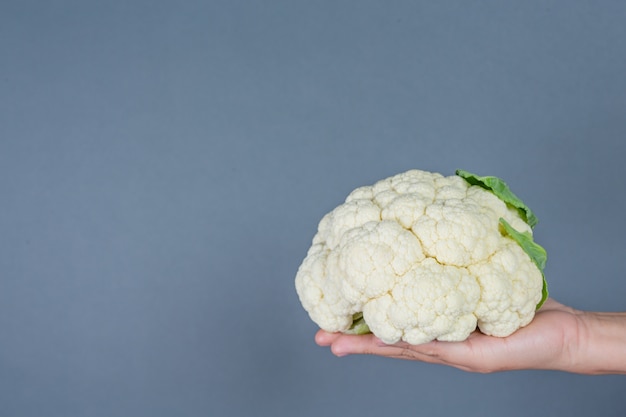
[(546, 343)]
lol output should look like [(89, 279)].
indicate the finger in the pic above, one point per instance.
[(342, 345), (324, 338), (371, 345), (354, 344), (455, 354)]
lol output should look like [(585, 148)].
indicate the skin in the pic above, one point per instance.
[(559, 338)]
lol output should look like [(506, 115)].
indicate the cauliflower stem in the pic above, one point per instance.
[(358, 325)]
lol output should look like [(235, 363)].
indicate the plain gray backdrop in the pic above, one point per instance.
[(164, 165)]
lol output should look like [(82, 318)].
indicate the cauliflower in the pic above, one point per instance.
[(419, 256)]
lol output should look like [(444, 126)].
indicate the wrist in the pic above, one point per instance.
[(600, 344)]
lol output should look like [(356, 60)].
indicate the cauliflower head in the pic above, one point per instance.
[(419, 256)]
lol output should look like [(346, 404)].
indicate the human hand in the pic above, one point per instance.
[(548, 342)]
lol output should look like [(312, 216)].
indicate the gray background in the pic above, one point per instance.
[(164, 165)]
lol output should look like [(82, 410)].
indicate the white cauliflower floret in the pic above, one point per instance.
[(343, 218), (433, 301), (510, 291), (422, 257), (371, 259)]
